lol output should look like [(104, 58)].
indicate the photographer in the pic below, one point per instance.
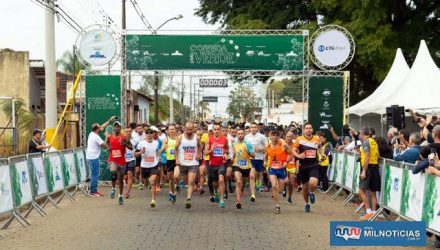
[(410, 154)]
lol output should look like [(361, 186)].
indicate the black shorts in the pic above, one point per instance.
[(372, 179), (147, 172), (138, 161), (307, 172), (228, 163), (130, 166), (215, 171), (244, 172), (171, 164)]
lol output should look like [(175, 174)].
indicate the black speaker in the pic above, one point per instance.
[(396, 116), (136, 108)]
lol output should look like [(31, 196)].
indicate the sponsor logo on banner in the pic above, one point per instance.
[(97, 47), (377, 233), (332, 47)]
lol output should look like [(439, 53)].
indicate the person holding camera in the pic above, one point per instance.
[(94, 145), (410, 154)]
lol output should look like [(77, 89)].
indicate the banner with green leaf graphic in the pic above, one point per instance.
[(356, 175), (39, 183), (349, 170), (392, 191), (331, 167), (69, 169), (81, 163), (431, 203), (103, 100), (6, 201), (339, 168), (215, 52), (21, 183), (53, 169), (413, 190)]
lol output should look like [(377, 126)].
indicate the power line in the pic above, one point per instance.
[(67, 22), (141, 15)]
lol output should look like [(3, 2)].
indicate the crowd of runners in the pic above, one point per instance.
[(233, 161)]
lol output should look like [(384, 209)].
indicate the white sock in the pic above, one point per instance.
[(307, 203), (368, 210), (373, 211)]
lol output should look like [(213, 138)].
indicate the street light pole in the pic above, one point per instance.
[(156, 78)]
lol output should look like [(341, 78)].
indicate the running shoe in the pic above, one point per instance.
[(112, 193), (141, 186), (188, 203), (253, 198), (225, 195), (238, 205), (307, 208), (95, 195), (289, 201), (217, 198), (174, 198), (170, 196), (366, 217), (284, 193), (181, 184), (99, 193), (120, 200), (258, 184), (299, 188), (153, 204), (212, 199), (177, 188), (222, 204), (277, 209), (312, 198), (201, 191), (231, 189), (127, 195)]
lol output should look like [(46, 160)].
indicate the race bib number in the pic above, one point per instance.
[(171, 151), (242, 163), (311, 153), (149, 159), (129, 155), (276, 164), (188, 156), (116, 154), (217, 152)]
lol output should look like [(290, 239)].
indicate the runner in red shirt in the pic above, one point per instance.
[(116, 160), (217, 149)]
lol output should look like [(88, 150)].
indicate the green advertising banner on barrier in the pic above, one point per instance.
[(216, 52), (21, 183), (326, 103), (103, 100)]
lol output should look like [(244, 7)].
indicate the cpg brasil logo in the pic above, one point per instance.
[(377, 233), (322, 48)]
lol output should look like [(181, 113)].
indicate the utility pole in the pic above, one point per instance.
[(50, 75), (156, 97), (190, 96), (182, 108), (123, 69), (171, 102)]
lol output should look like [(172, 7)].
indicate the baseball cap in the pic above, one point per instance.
[(116, 123), (154, 128), (37, 131), (210, 127)]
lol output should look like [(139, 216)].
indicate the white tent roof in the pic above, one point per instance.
[(397, 73), (420, 88)]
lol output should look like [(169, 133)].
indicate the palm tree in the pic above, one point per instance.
[(25, 120), (70, 64), (204, 106)]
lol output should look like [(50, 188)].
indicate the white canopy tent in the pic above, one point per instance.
[(417, 89), (395, 76)]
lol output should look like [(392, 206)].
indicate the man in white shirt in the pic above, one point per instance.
[(259, 143), (137, 136), (94, 144)]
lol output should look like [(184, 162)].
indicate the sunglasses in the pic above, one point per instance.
[(149, 132)]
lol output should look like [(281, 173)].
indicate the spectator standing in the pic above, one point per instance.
[(94, 144), (411, 154), (385, 150)]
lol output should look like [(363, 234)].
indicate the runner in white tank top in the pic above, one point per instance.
[(187, 159)]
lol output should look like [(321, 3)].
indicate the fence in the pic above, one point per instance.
[(28, 178), (409, 196)]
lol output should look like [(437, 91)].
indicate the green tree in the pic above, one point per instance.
[(242, 103), (68, 63), (204, 107), (379, 27)]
